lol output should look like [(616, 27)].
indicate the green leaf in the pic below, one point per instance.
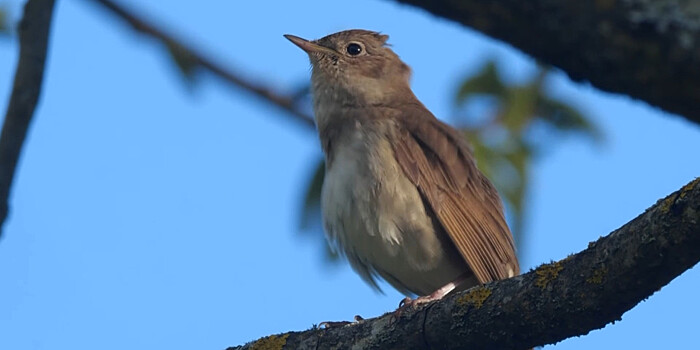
[(311, 209), (487, 82), (521, 104), (519, 108), (566, 118)]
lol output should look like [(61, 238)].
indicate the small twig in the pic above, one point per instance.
[(33, 43), (287, 103)]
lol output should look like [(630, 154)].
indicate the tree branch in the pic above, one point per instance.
[(33, 43), (556, 301), (286, 103), (648, 50)]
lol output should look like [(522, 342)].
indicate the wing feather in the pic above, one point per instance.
[(438, 161)]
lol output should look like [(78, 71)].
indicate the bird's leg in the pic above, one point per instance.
[(436, 295)]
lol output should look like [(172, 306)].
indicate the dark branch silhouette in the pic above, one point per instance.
[(33, 43), (286, 103), (648, 50), (556, 301)]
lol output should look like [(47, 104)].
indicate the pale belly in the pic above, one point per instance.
[(375, 216)]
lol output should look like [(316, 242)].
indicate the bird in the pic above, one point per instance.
[(402, 198)]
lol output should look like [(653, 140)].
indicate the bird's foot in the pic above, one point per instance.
[(336, 324), (408, 303)]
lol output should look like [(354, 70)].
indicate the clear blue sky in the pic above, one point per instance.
[(148, 217)]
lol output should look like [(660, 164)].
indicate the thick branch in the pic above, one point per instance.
[(649, 50), (556, 301), (33, 43), (268, 94)]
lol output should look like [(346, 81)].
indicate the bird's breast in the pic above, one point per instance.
[(375, 215), (361, 187)]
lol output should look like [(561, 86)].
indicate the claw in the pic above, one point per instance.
[(336, 324), (408, 303)]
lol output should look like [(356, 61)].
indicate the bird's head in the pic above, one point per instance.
[(355, 66)]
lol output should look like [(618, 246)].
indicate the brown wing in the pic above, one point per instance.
[(437, 159)]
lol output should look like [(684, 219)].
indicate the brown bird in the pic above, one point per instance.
[(402, 197)]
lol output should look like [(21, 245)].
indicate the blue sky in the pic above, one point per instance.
[(145, 215)]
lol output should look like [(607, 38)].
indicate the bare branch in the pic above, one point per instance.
[(648, 50), (287, 103), (556, 301), (33, 43)]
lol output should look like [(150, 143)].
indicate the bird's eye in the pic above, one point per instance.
[(354, 49)]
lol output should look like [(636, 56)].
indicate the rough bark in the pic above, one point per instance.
[(553, 302), (33, 43), (647, 49)]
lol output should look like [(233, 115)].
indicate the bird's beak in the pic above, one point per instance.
[(308, 46)]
